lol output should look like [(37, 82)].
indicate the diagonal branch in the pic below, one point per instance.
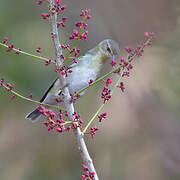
[(67, 98), (15, 93), (40, 58)]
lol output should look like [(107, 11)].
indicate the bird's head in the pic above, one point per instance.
[(109, 49)]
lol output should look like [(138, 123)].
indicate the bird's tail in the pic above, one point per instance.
[(34, 115), (48, 98)]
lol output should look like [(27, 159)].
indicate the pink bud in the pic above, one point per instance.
[(58, 2), (71, 37), (63, 7), (5, 40), (64, 18), (30, 96), (75, 32), (13, 96), (59, 130), (63, 73), (45, 15), (146, 34)]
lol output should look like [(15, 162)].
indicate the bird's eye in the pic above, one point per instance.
[(108, 49)]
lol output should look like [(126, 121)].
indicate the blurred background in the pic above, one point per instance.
[(140, 139)]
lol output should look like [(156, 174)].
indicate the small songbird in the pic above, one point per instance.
[(87, 68)]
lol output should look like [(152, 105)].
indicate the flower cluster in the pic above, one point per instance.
[(81, 24), (58, 123), (85, 14), (10, 47), (123, 62), (18, 51), (121, 86), (9, 87), (2, 81), (38, 49), (52, 122), (128, 49), (74, 98), (102, 116), (106, 94), (113, 62), (125, 65), (74, 52), (39, 2), (77, 35), (58, 8), (93, 131), (149, 36), (13, 96), (87, 175), (30, 96), (45, 15), (108, 81), (138, 51), (47, 62), (90, 82), (77, 121), (63, 70), (48, 113), (5, 40), (62, 22)]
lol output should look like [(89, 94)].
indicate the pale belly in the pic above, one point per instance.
[(79, 79)]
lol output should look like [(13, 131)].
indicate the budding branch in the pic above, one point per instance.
[(67, 98)]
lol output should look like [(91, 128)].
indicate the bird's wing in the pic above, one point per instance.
[(71, 66), (47, 91)]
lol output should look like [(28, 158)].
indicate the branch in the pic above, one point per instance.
[(102, 105), (16, 94), (42, 59), (67, 99)]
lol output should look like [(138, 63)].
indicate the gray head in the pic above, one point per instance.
[(109, 48)]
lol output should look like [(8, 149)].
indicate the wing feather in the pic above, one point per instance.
[(47, 91)]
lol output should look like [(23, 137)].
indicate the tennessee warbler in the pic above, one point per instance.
[(87, 68)]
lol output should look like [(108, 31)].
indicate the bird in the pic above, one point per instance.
[(86, 69)]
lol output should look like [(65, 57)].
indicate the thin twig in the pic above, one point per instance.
[(42, 59), (31, 100), (75, 44), (67, 99), (102, 105)]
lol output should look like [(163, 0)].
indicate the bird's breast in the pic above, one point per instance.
[(80, 78)]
